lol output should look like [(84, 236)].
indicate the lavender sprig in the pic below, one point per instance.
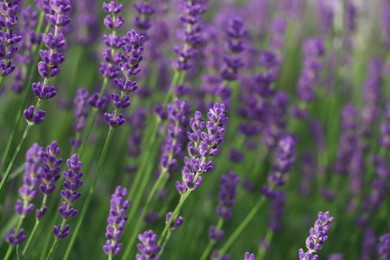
[(318, 235), (69, 193), (116, 222), (8, 37), (201, 147)]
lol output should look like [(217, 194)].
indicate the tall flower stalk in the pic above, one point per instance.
[(48, 67), (202, 146), (129, 61)]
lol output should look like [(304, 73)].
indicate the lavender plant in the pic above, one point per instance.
[(298, 122)]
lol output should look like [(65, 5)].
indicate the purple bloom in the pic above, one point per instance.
[(236, 156), (235, 46), (31, 177), (14, 239), (174, 141), (50, 170), (70, 193), (348, 138), (80, 114), (134, 145), (176, 223), (227, 195), (34, 116), (277, 204), (57, 15), (249, 256), (309, 78), (372, 90), (384, 139), (202, 146), (116, 221), (192, 35), (87, 22), (283, 160), (142, 20), (8, 38), (385, 19), (148, 247), (215, 234), (109, 68), (318, 235), (29, 22), (325, 14), (130, 59), (384, 247)]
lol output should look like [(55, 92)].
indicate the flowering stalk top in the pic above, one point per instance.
[(132, 47), (192, 35), (318, 235), (57, 15), (116, 221), (70, 193), (8, 38), (201, 146), (284, 158)]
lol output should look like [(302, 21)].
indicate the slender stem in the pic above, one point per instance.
[(243, 225), (52, 249), (31, 236), (166, 233), (178, 78), (14, 157), (110, 257), (90, 193), (1, 81), (212, 242)]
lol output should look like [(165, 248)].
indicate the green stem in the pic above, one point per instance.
[(242, 226), (166, 233), (178, 78), (14, 157), (110, 257), (211, 243), (52, 249), (90, 193), (31, 236)]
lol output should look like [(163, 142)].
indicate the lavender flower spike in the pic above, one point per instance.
[(202, 146), (8, 38), (148, 246), (384, 247), (227, 195), (192, 35), (318, 235), (116, 221), (70, 193), (32, 175)]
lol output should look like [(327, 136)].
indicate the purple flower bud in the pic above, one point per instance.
[(34, 117)]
